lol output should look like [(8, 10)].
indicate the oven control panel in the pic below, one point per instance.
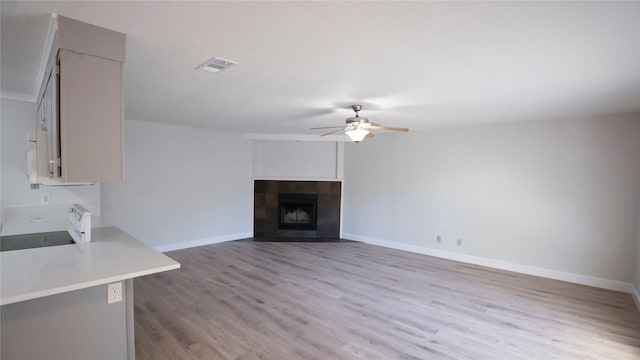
[(80, 223)]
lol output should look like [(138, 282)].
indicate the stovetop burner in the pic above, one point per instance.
[(79, 232), (30, 241)]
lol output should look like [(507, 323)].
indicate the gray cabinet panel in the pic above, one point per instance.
[(89, 39), (91, 124), (82, 106), (74, 325)]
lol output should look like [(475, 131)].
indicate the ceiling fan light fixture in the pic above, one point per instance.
[(358, 127), (357, 135)]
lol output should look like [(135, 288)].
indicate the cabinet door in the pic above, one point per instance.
[(42, 123), (47, 145), (49, 123), (42, 143), (53, 123), (91, 122)]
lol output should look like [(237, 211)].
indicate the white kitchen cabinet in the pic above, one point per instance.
[(81, 106)]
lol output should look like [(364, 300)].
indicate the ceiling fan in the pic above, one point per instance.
[(358, 127)]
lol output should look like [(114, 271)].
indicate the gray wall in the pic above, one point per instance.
[(182, 185), (73, 325), (558, 195)]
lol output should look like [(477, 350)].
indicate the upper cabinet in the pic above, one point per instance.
[(81, 104)]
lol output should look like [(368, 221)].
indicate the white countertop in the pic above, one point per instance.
[(111, 256)]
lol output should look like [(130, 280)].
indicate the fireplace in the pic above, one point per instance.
[(287, 210), (297, 211)]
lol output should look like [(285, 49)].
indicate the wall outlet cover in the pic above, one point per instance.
[(114, 292)]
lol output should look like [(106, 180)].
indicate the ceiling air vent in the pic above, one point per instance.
[(216, 64)]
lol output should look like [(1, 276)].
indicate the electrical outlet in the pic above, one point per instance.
[(459, 242), (44, 198), (114, 292), (439, 238)]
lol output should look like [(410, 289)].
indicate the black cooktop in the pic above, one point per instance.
[(29, 241)]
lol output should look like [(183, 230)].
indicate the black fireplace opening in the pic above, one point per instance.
[(297, 211)]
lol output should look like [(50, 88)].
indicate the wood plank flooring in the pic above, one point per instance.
[(247, 300)]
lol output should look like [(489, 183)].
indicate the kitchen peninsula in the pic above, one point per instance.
[(55, 299)]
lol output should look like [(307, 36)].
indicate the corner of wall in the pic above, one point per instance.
[(197, 194), (636, 296), (636, 277)]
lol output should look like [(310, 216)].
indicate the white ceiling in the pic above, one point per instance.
[(301, 64)]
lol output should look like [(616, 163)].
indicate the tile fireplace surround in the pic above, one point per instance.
[(265, 210)]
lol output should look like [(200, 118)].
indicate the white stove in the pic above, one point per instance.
[(79, 224), (78, 232)]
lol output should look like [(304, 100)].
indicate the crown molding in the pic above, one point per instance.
[(16, 96)]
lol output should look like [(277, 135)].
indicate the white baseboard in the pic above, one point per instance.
[(636, 296), (498, 264), (200, 242)]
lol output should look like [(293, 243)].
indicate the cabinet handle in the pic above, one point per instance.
[(52, 166)]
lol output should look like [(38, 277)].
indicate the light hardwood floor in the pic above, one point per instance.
[(256, 300)]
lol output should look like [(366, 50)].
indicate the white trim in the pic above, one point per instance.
[(292, 178), (340, 160), (16, 96), (130, 320), (636, 296), (498, 264), (203, 241), (46, 55), (295, 137), (340, 175)]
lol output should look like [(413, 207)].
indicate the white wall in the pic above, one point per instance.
[(1, 205), (556, 195), (636, 283), (17, 119), (183, 186), (294, 160)]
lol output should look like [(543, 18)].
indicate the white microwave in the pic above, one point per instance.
[(38, 163)]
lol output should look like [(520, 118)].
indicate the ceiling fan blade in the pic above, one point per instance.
[(380, 127), (335, 131), (328, 127), (369, 135)]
